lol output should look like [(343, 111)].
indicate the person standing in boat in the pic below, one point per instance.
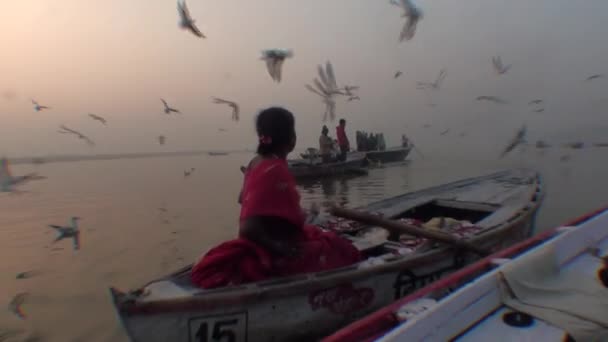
[(325, 145), (342, 140), (273, 238)]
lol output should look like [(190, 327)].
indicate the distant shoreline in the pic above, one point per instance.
[(77, 158)]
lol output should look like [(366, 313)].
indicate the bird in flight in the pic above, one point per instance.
[(231, 104), (577, 145), (539, 110), (500, 68), (413, 15), (8, 182), (168, 109), (433, 85), (161, 139), (352, 98), (98, 118), (445, 132), (491, 99), (327, 88), (72, 231), (397, 74), (187, 173), (38, 107), (542, 144), (186, 22), (15, 306), (65, 130), (535, 102), (519, 139), (594, 77), (274, 61)]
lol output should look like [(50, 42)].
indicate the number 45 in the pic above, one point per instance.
[(223, 330)]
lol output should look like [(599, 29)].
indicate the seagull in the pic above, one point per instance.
[(413, 15), (397, 74), (186, 22), (188, 173), (575, 145), (8, 182), (491, 99), (535, 102), (65, 130), (593, 77), (274, 61), (64, 232), (540, 110), (499, 67), (15, 305), (38, 107), (445, 132), (161, 139), (231, 104), (98, 118), (169, 110), (519, 139), (434, 85), (327, 88), (348, 90), (352, 98), (541, 144)]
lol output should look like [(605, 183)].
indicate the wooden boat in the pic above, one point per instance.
[(306, 168), (501, 207), (394, 154), (570, 263)]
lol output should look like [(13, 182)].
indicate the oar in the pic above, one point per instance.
[(402, 228)]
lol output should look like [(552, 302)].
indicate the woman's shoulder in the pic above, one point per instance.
[(260, 165)]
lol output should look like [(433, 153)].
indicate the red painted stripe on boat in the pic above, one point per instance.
[(377, 323)]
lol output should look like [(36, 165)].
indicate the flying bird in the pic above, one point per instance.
[(38, 107), (231, 104), (72, 231), (577, 145), (535, 102), (161, 139), (433, 85), (66, 130), (186, 22), (539, 110), (397, 74), (26, 275), (168, 109), (540, 144), (327, 88), (352, 98), (499, 67), (274, 61), (15, 305), (413, 15), (519, 139), (593, 77), (187, 173), (8, 182), (348, 90), (445, 132), (98, 118), (491, 99)]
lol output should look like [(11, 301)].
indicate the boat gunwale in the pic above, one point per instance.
[(256, 291), (382, 320)]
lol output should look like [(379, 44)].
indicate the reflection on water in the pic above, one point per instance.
[(127, 240)]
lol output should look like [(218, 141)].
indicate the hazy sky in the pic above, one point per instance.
[(117, 58)]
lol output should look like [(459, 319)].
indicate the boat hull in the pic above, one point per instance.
[(309, 306), (389, 156), (306, 170)]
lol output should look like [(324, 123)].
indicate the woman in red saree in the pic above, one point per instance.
[(273, 238)]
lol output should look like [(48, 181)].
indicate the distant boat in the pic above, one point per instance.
[(217, 153)]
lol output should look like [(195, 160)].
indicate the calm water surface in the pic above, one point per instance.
[(126, 240)]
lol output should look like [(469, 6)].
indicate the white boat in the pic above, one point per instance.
[(501, 208), (551, 287)]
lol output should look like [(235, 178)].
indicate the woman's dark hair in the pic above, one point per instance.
[(276, 128)]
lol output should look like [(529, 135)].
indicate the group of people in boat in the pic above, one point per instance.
[(273, 238), (332, 150), (370, 141)]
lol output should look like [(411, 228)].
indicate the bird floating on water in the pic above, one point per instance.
[(168, 109), (433, 85), (186, 22), (8, 182), (594, 77), (15, 305), (397, 74), (413, 15), (274, 59), (98, 118), (519, 139), (231, 104), (38, 107), (72, 231), (499, 67), (65, 130), (494, 99)]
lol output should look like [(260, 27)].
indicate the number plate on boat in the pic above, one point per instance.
[(222, 328)]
